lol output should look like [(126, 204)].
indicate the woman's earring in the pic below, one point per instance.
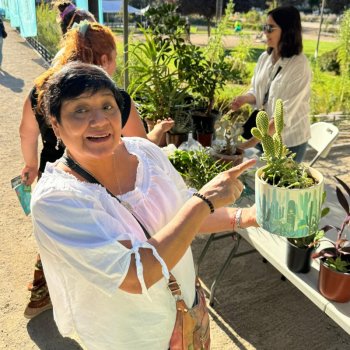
[(57, 147)]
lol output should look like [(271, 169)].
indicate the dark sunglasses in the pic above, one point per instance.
[(268, 28)]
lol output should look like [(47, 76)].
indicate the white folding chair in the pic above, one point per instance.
[(322, 136)]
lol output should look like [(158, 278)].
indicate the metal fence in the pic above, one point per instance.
[(44, 53)]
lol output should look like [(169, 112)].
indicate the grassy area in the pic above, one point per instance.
[(310, 47)]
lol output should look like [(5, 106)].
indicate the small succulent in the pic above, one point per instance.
[(281, 169), (228, 129), (338, 257)]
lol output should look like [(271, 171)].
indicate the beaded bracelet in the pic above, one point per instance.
[(206, 200)]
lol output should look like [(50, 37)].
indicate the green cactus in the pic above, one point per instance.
[(261, 132), (281, 168)]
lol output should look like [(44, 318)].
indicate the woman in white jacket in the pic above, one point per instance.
[(282, 72)]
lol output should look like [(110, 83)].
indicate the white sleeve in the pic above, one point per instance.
[(77, 229)]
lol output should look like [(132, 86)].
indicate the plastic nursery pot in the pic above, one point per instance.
[(292, 213), (334, 285), (204, 139), (298, 259), (176, 139)]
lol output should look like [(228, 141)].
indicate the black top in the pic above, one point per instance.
[(49, 153)]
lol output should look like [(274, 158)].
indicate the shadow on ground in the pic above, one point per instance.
[(44, 333), (11, 82)]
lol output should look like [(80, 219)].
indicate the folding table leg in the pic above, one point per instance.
[(223, 268)]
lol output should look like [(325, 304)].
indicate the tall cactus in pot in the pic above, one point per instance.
[(282, 183), (281, 168)]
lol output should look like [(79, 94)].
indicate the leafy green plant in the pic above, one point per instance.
[(338, 257), (281, 169), (155, 83), (207, 71), (344, 52), (49, 32), (197, 167)]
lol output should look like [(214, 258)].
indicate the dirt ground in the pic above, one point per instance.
[(254, 308)]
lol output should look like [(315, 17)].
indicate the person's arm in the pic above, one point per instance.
[(29, 133), (241, 100), (172, 241), (160, 128)]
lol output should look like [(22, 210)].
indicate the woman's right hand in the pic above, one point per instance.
[(226, 188), (238, 102)]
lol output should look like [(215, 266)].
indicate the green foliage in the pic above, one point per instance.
[(281, 169), (207, 71), (49, 31), (344, 52), (156, 80), (338, 258), (197, 167), (329, 62)]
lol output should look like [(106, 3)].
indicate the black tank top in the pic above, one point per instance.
[(49, 153)]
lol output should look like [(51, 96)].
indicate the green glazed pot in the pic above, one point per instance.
[(291, 213)]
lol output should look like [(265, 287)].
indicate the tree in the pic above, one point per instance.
[(338, 6)]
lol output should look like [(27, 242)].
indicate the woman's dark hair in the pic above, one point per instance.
[(288, 19), (73, 80), (69, 15)]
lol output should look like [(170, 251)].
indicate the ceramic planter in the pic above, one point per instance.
[(298, 259), (334, 285), (286, 212)]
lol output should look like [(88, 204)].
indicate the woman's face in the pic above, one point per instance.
[(273, 33), (90, 125)]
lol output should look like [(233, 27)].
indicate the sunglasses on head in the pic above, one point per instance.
[(268, 28)]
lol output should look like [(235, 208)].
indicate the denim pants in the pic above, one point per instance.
[(1, 42), (299, 150)]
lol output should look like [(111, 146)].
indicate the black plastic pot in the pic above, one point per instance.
[(298, 259)]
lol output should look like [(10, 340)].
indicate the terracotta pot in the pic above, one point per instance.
[(298, 259), (235, 159), (292, 213), (334, 285), (176, 139), (204, 139)]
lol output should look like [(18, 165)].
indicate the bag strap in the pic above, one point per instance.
[(72, 164), (266, 97)]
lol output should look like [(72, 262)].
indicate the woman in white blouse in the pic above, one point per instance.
[(284, 72), (107, 281)]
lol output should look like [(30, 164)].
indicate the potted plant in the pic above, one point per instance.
[(228, 129), (288, 195), (334, 275), (299, 250), (207, 71), (156, 83)]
